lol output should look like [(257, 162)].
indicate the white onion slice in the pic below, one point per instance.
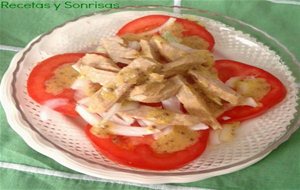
[(249, 101), (111, 112), (231, 82), (141, 122), (118, 120), (199, 126), (124, 120), (172, 104), (92, 119), (132, 131), (145, 123), (54, 103), (49, 105), (163, 132), (169, 22), (80, 83), (182, 47), (76, 66), (134, 45)]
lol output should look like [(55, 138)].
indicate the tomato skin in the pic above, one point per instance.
[(150, 22), (141, 155), (44, 71), (228, 68)]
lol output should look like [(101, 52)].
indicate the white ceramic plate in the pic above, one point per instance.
[(64, 140)]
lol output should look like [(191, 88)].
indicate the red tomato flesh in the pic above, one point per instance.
[(43, 72), (137, 152), (150, 22), (228, 68)]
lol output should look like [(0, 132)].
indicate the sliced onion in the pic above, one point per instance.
[(199, 126), (118, 120), (172, 104), (132, 131), (91, 118), (54, 103), (231, 82), (76, 66), (111, 112), (134, 45), (94, 119), (163, 132), (115, 128), (169, 22), (141, 122), (80, 83), (249, 101), (123, 119), (182, 47), (49, 105), (119, 129)]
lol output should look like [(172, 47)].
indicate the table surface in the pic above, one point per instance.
[(23, 168)]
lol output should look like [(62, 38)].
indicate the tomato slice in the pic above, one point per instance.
[(44, 71), (150, 22), (137, 152), (228, 68)]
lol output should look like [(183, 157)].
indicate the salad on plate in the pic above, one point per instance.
[(153, 93)]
